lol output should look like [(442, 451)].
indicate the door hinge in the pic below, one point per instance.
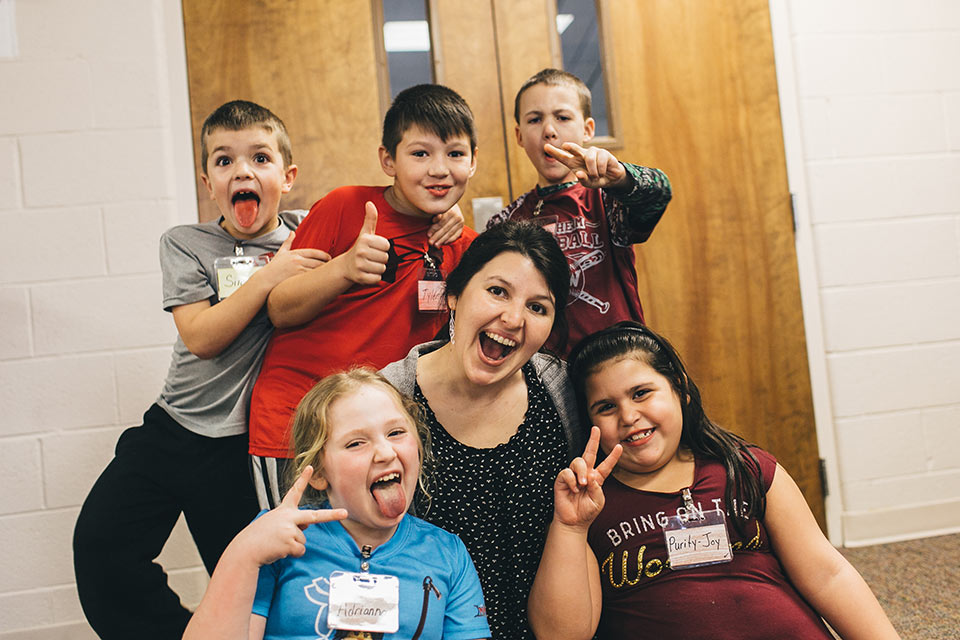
[(793, 211), (823, 478)]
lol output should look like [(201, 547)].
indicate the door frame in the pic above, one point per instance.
[(806, 265)]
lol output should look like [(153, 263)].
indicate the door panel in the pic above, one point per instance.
[(719, 275), (468, 66), (526, 44), (312, 62)]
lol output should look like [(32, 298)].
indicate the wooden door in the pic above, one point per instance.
[(696, 95)]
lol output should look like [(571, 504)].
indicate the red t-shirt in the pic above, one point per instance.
[(366, 325), (603, 276), (747, 598)]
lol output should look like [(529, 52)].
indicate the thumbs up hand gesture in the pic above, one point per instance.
[(366, 260), (279, 533)]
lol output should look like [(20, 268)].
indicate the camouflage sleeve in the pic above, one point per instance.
[(632, 213)]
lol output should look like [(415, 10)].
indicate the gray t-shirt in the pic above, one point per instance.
[(211, 397)]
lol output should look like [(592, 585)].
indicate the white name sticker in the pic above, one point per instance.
[(233, 271), (693, 541), (364, 602)]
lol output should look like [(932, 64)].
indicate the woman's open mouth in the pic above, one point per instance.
[(496, 347)]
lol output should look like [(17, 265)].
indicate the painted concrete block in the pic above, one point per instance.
[(15, 339), (898, 379), (112, 313), (889, 188), (64, 243), (877, 252), (57, 393), (20, 475)]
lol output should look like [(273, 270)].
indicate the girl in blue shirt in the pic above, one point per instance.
[(358, 563)]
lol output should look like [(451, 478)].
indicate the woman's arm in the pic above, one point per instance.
[(824, 577)]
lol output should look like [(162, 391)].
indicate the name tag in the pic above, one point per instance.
[(693, 541), (233, 271), (431, 291), (364, 602)]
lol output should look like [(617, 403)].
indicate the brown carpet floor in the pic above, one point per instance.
[(917, 582)]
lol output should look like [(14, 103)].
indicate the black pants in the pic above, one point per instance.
[(160, 470)]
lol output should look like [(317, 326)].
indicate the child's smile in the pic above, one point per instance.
[(371, 462)]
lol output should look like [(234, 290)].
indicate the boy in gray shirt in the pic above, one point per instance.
[(190, 454)]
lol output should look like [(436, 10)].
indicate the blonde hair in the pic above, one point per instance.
[(311, 424)]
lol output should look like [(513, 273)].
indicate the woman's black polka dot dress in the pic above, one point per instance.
[(500, 502)]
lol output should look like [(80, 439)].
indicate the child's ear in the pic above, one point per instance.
[(386, 162), (289, 175), (589, 126), (473, 162), (516, 131), (206, 182), (318, 482)]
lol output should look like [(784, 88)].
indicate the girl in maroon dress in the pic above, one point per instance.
[(683, 530)]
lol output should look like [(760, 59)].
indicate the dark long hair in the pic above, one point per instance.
[(700, 435), (532, 242)]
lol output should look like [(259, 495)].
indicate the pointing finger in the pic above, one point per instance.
[(605, 467), (312, 516), (292, 498), (563, 156), (574, 149), (593, 443)]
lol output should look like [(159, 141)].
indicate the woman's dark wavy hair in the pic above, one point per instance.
[(700, 435), (529, 240)]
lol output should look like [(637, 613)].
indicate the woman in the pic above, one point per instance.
[(502, 416)]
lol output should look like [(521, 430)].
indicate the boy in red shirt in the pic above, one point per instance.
[(372, 301)]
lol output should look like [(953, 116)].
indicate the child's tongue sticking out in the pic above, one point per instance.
[(390, 498), (246, 210)]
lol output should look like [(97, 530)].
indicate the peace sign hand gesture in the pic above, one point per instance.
[(578, 491), (594, 167), (279, 533)]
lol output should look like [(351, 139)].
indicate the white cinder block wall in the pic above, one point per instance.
[(876, 87), (92, 117), (95, 162)]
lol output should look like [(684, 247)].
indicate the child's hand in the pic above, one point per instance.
[(289, 262), (279, 533), (446, 227), (367, 258), (594, 167), (578, 493)]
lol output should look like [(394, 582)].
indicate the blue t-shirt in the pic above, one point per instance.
[(292, 592)]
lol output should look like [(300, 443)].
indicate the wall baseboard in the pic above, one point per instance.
[(880, 526)]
